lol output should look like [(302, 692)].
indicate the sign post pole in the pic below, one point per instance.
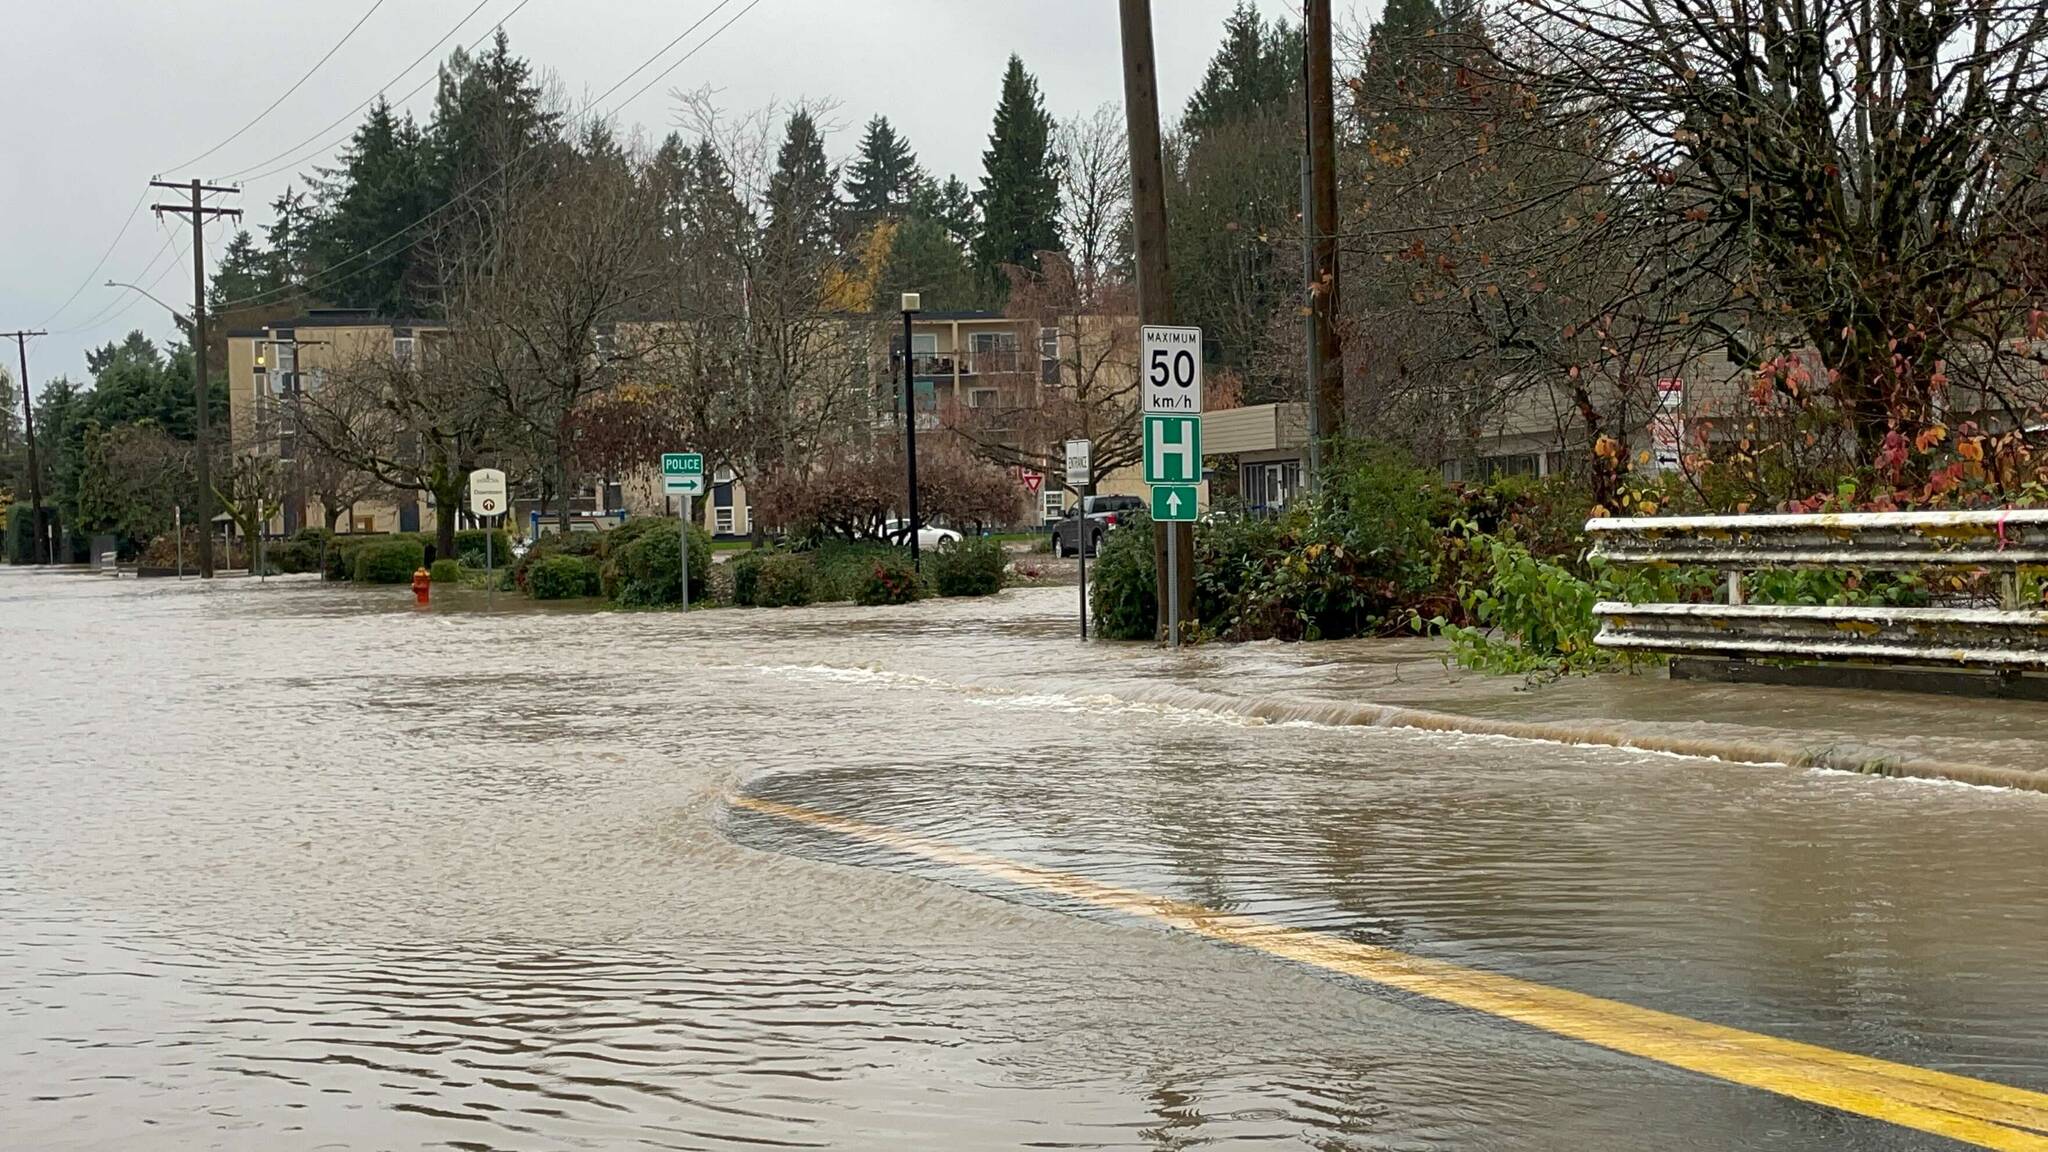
[(490, 583), (1080, 466), (682, 476)]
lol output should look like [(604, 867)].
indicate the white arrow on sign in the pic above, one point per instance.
[(1173, 503)]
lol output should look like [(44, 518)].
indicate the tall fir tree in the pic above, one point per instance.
[(386, 181), (1020, 190), (245, 271), (1257, 70), (802, 196), (883, 178), (488, 118)]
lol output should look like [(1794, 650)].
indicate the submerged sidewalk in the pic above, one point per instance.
[(1405, 683)]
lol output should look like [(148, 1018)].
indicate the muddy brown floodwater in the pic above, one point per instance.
[(295, 867)]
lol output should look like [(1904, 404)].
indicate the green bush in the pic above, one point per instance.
[(20, 531), (973, 567), (642, 568), (389, 561), (560, 577), (304, 551), (339, 561), (472, 540), (1124, 596), (890, 580), (774, 580), (446, 572), (843, 567)]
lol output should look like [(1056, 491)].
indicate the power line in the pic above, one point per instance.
[(132, 213), (328, 273), (170, 238), (346, 36), (346, 116)]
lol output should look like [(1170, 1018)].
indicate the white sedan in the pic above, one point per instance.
[(929, 539)]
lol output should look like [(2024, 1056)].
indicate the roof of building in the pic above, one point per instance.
[(338, 318), (964, 314)]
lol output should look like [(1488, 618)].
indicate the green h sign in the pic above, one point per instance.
[(1173, 449)]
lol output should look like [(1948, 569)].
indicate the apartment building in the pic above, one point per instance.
[(271, 366)]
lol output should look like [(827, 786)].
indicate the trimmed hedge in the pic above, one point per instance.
[(642, 563), (973, 567), (561, 577), (1124, 593), (389, 562), (446, 571)]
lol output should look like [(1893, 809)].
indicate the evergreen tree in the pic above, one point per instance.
[(884, 176), (245, 270), (487, 114), (1257, 71), (803, 198), (924, 258), (952, 206), (384, 184), (1020, 191)]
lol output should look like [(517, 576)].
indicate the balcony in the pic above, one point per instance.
[(990, 361)]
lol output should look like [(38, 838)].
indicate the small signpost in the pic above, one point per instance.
[(1172, 370), (682, 475), (1080, 467), (487, 503)]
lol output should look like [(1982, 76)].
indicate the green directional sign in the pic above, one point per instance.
[(682, 473), (1173, 502), (1173, 449)]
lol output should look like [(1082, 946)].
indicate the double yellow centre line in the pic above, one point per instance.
[(1978, 1112)]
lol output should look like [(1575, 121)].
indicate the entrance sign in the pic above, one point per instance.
[(1173, 503), (488, 500), (487, 492), (1172, 368), (1173, 449), (1080, 463), (682, 473)]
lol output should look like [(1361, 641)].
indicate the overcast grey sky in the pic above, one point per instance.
[(104, 94)]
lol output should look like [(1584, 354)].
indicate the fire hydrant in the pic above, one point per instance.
[(422, 584)]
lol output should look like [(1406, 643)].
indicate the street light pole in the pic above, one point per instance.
[(913, 303)]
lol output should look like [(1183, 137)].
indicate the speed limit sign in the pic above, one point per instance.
[(1172, 371)]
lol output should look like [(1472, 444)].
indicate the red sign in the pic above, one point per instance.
[(1032, 480)]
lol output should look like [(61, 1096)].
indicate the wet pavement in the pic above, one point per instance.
[(293, 866)]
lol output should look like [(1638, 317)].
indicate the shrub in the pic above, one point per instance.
[(890, 580), (339, 561), (560, 577), (1125, 598), (774, 580), (642, 569), (472, 540), (446, 571), (843, 567), (304, 551), (388, 561), (973, 567)]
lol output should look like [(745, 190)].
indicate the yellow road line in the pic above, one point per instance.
[(1978, 1112)]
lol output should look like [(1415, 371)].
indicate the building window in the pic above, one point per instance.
[(924, 345), (981, 398), (722, 521), (993, 341), (402, 351)]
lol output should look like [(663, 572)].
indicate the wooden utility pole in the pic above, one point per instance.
[(39, 549), (202, 450), (1148, 215), (1328, 387)]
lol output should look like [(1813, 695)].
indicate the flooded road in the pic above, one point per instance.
[(296, 867)]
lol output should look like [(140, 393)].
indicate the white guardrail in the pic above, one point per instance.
[(2006, 639)]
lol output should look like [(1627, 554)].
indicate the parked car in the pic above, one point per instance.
[(929, 539), (1078, 529)]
